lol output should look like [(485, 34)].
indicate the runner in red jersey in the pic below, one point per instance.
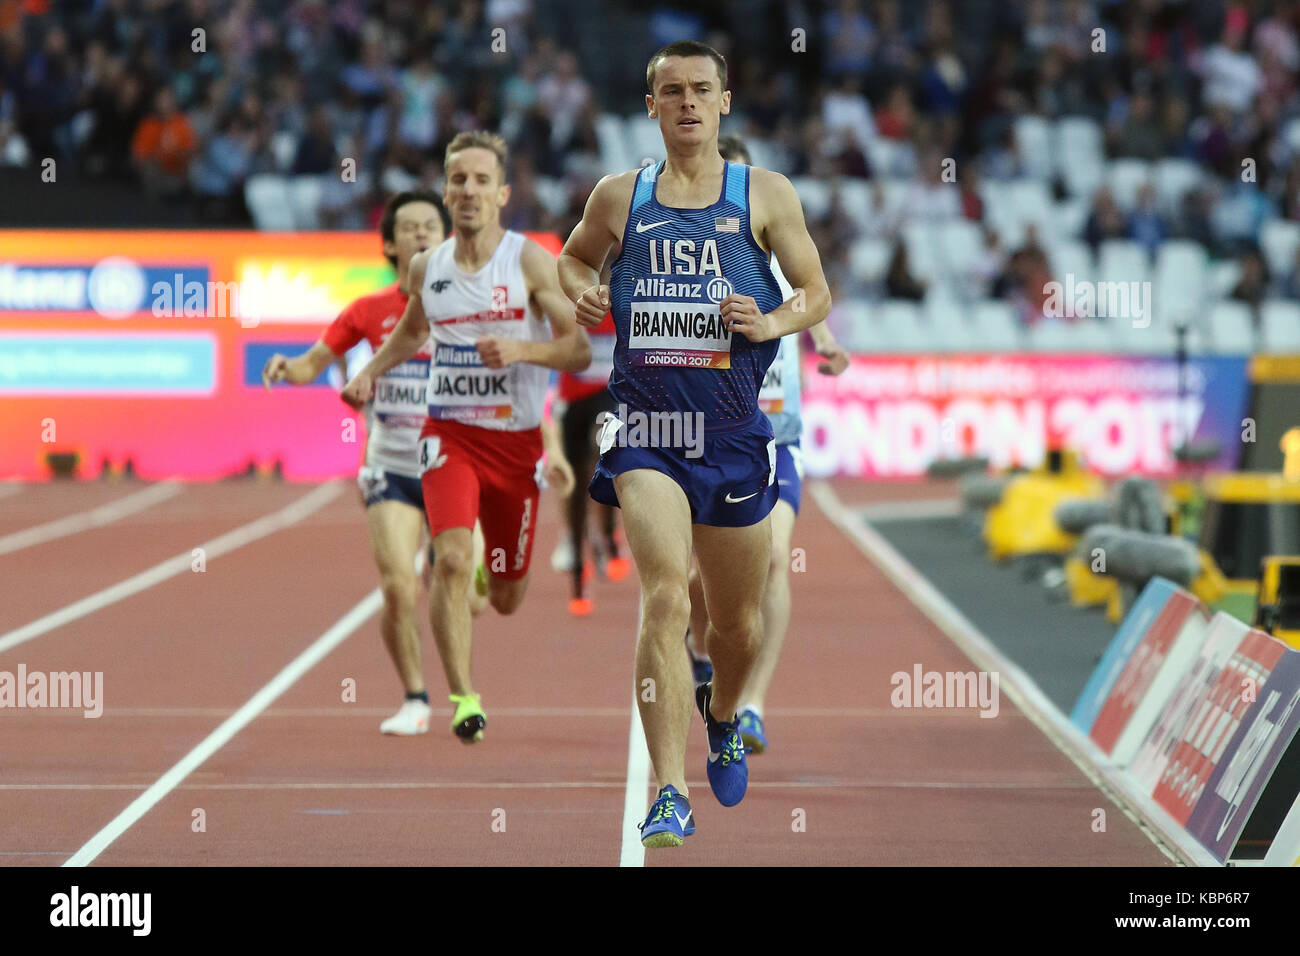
[(389, 477), (499, 321), (582, 401)]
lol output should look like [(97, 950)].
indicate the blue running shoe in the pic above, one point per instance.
[(751, 731), (670, 820), (701, 667), (726, 770)]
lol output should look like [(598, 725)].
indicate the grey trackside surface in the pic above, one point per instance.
[(1056, 644)]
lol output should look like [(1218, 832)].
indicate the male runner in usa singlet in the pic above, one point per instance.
[(499, 322), (390, 476), (779, 399), (698, 316)]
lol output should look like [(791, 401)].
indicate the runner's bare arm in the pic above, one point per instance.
[(824, 341), (559, 472), (300, 369), (407, 338), (785, 233), (569, 350), (588, 247)]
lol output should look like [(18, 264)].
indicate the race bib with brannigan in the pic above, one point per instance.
[(461, 387), (679, 335)]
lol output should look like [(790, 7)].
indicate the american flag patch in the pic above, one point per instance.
[(727, 224)]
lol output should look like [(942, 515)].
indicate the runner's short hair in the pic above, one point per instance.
[(480, 139), (685, 48), (734, 150), (388, 222)]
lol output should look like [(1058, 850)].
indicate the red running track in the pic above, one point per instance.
[(311, 781)]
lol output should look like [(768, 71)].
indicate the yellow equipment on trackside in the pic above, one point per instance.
[(1249, 518), (1024, 523)]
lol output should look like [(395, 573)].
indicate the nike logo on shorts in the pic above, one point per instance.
[(736, 501), (651, 225)]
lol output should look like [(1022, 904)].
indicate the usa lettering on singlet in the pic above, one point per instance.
[(463, 308), (674, 351)]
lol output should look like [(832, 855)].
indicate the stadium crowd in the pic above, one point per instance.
[(911, 116)]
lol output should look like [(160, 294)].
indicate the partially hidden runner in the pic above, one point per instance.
[(583, 400)]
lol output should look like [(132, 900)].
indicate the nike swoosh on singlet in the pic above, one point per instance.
[(651, 225)]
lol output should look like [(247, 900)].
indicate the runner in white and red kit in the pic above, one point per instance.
[(389, 476), (490, 300)]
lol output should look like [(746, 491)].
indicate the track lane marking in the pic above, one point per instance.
[(281, 682), (88, 520), (631, 852), (291, 514)]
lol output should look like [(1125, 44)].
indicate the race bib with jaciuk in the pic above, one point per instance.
[(461, 387), (400, 393), (679, 335)]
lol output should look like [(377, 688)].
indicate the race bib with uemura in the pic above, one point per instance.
[(400, 393), (461, 387), (685, 332)]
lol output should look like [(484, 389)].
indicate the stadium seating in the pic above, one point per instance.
[(1280, 323), (1231, 329), (1079, 144), (267, 196), (1279, 240)]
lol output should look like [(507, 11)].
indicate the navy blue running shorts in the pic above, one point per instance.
[(379, 485), (729, 477), (789, 474)]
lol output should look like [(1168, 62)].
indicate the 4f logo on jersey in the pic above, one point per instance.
[(440, 285), (680, 257)]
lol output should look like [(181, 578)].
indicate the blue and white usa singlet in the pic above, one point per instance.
[(673, 351)]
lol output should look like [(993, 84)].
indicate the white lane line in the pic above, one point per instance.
[(634, 791), (907, 510), (245, 534), (11, 488), (86, 520), (280, 683), (1145, 813)]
